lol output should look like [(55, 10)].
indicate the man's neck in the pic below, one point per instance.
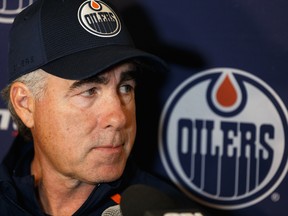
[(59, 195)]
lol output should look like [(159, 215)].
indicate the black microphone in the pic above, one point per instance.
[(137, 199), (143, 200)]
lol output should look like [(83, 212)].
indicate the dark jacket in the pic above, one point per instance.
[(18, 196)]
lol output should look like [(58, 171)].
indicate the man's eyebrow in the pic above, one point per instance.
[(102, 79), (129, 75), (98, 79)]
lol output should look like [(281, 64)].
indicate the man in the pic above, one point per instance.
[(72, 71)]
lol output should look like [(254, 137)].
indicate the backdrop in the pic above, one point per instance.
[(216, 123)]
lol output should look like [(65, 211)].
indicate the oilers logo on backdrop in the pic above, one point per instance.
[(223, 138), (9, 9), (6, 122), (99, 19)]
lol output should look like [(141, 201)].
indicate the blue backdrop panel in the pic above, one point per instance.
[(216, 123), (8, 10)]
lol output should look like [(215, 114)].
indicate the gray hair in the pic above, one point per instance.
[(36, 83)]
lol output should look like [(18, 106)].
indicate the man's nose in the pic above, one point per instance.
[(114, 113)]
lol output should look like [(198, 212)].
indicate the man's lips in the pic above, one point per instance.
[(109, 148)]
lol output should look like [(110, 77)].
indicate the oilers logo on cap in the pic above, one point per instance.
[(9, 9), (223, 138), (99, 19)]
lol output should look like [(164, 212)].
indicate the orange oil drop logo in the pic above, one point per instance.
[(95, 5), (226, 94)]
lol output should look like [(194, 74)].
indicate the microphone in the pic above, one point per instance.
[(143, 200), (137, 199), (112, 211)]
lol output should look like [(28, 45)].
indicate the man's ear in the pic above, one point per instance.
[(23, 102)]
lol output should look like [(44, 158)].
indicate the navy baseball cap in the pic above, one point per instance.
[(71, 39)]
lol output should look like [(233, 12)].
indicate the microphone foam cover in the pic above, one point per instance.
[(112, 211)]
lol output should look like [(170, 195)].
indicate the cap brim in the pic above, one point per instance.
[(87, 63)]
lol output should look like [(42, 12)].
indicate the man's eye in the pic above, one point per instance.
[(90, 92), (124, 89)]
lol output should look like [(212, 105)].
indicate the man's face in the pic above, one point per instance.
[(85, 129)]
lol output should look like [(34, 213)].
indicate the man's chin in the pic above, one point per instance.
[(113, 175), (106, 175)]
